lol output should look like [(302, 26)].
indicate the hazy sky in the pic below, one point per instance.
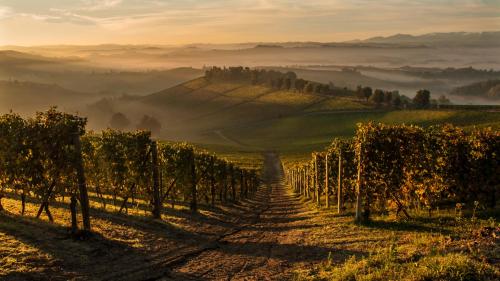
[(34, 22)]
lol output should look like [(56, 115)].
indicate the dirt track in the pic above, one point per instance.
[(265, 248), (262, 238)]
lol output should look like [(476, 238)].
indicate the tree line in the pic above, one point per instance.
[(290, 82), (275, 79)]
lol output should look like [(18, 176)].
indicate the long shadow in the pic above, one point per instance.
[(219, 217), (280, 228), (69, 259), (406, 226), (288, 252)]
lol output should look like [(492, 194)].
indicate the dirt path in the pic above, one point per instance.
[(265, 248), (262, 238)]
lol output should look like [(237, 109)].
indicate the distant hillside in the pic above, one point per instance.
[(487, 89), (198, 108), (472, 39), (29, 97), (79, 75)]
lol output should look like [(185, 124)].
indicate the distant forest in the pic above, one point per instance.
[(487, 89)]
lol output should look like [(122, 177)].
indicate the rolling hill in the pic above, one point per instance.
[(80, 74), (29, 97), (255, 117), (489, 90)]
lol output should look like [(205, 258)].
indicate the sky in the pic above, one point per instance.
[(86, 22)]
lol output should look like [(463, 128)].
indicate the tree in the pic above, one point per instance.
[(300, 84), (287, 84), (377, 97), (422, 99), (318, 88), (359, 92), (149, 123), (119, 121), (443, 100), (396, 100), (309, 88), (388, 96), (367, 92)]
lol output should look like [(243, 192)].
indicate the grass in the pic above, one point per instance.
[(439, 248), (338, 104), (387, 265), (247, 92), (292, 99), (304, 133), (36, 249)]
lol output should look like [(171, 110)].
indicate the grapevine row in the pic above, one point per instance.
[(402, 167), (51, 156)]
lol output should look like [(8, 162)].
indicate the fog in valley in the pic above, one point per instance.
[(103, 80)]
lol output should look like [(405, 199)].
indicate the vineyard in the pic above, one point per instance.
[(115, 205), (402, 168), (50, 157)]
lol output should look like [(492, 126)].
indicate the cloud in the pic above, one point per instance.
[(255, 19), (97, 5), (5, 12)]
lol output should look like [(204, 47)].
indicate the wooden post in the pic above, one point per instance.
[(306, 175), (82, 187), (212, 182), (299, 181), (192, 174), (316, 180), (156, 182), (74, 221), (313, 182), (358, 188), (327, 187), (233, 184), (224, 186), (339, 191)]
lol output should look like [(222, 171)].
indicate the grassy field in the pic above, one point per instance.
[(446, 246), (305, 133), (235, 118)]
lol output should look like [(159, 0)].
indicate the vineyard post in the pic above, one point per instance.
[(225, 183), (247, 183), (358, 186), (306, 175), (316, 180), (327, 187), (313, 182), (212, 181), (242, 183), (301, 182), (192, 170), (297, 185), (74, 221), (233, 183), (339, 191), (82, 187), (295, 180), (156, 182)]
